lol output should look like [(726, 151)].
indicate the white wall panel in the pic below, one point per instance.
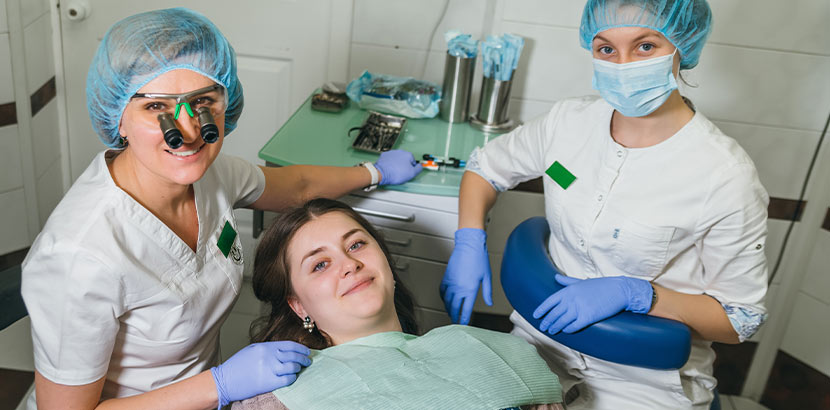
[(37, 39), (400, 62), (817, 281), (562, 13), (13, 220), (808, 333), (30, 10), (409, 24), (49, 191), (4, 27), (781, 25), (762, 87), (771, 148), (11, 176), (17, 351), (45, 144), (525, 110), (552, 65), (6, 80), (775, 240)]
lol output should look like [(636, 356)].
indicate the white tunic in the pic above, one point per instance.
[(112, 291), (688, 213)]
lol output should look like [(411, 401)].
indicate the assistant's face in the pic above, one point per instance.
[(340, 276), (622, 45), (139, 123)]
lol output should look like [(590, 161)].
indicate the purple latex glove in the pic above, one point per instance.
[(259, 368), (396, 167), (583, 302), (468, 267)]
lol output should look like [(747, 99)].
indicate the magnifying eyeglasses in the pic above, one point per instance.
[(208, 102)]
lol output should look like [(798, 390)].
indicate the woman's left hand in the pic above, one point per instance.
[(583, 302), (396, 167)]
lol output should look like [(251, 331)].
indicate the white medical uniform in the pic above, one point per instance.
[(113, 292), (688, 214)]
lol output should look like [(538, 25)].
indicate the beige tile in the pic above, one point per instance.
[(49, 190), (817, 281), (45, 138), (761, 87), (781, 155), (779, 25), (13, 219), (6, 79), (12, 175), (32, 9), (562, 13), (17, 346), (37, 44), (808, 333), (409, 24)]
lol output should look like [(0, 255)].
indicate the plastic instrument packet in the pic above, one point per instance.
[(395, 95)]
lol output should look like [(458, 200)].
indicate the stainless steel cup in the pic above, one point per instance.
[(492, 107), (458, 86)]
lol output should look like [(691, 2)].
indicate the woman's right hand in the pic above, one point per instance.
[(259, 368), (468, 267)]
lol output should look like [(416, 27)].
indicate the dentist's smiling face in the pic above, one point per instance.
[(139, 123), (340, 277)]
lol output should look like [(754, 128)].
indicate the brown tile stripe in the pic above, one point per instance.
[(779, 208), (8, 114), (43, 95), (826, 224)]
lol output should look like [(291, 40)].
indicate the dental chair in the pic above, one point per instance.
[(527, 276)]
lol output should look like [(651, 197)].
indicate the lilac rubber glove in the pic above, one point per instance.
[(586, 301), (468, 267), (259, 368), (396, 167)]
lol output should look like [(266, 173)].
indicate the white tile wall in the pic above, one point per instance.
[(32, 9), (15, 231), (12, 175), (808, 334), (6, 80), (17, 351), (396, 61), (817, 281), (561, 13), (49, 191), (37, 41), (45, 144), (4, 27), (778, 25)]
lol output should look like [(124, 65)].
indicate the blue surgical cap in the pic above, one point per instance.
[(141, 47), (685, 23)]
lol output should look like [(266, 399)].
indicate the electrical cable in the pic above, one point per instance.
[(800, 203), (432, 37)]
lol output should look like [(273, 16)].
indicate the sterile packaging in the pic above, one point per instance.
[(395, 95)]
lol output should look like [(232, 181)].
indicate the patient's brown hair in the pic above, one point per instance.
[(272, 278)]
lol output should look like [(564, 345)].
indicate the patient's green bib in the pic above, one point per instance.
[(451, 367)]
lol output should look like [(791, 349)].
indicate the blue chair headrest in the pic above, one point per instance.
[(626, 338)]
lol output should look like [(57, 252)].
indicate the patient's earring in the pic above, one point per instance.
[(122, 140), (308, 324)]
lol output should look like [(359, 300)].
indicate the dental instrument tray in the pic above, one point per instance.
[(378, 132)]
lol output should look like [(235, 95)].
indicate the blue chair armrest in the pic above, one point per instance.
[(12, 308), (527, 276)]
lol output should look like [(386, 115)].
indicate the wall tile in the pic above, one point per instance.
[(552, 65), (762, 24), (775, 240), (17, 351), (781, 155), (808, 333), (817, 281), (234, 333), (562, 13), (45, 144), (37, 42), (409, 24), (49, 191), (4, 28), (525, 110), (762, 87), (14, 222), (6, 80), (32, 9), (12, 175), (399, 62)]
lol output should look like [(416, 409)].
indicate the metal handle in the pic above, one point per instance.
[(78, 10), (403, 267), (386, 215), (402, 244)]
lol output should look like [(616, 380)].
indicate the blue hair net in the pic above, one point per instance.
[(141, 47), (685, 23)]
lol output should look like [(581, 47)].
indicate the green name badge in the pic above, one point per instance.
[(226, 239), (560, 175)]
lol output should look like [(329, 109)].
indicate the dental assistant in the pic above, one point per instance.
[(139, 265), (652, 209)]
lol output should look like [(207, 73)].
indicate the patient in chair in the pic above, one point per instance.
[(326, 274)]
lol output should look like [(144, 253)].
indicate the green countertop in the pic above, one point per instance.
[(320, 138)]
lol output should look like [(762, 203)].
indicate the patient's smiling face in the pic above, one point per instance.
[(341, 278)]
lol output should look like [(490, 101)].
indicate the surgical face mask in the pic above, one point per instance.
[(635, 89), (205, 104)]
